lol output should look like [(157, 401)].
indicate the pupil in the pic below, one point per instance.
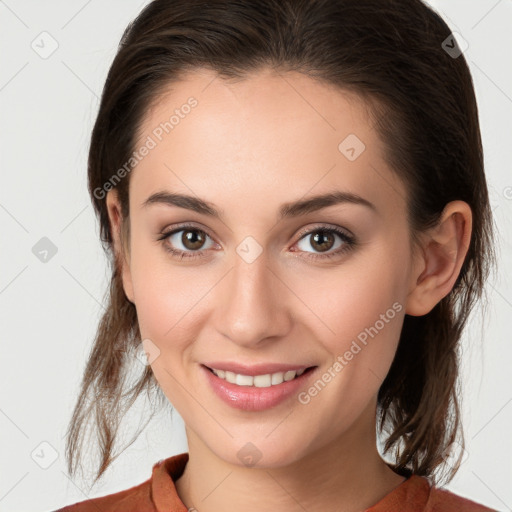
[(325, 235), (192, 239)]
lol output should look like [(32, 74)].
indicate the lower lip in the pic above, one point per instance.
[(251, 398)]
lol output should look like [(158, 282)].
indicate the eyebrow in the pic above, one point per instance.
[(287, 210)]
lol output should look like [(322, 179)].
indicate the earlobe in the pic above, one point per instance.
[(438, 264), (116, 228)]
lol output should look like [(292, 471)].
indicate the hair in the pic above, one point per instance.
[(389, 53)]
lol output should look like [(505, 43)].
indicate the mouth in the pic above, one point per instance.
[(257, 392), (262, 380)]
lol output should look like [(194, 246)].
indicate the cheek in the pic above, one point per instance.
[(164, 296), (166, 312), (360, 309)]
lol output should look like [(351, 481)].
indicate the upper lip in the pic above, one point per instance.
[(256, 369)]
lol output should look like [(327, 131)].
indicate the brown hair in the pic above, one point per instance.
[(390, 52)]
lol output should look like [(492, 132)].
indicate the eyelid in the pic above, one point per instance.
[(300, 234), (345, 234), (183, 226), (326, 226), (166, 233)]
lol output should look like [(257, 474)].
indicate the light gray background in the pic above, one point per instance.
[(49, 311)]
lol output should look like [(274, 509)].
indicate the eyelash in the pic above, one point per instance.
[(349, 242)]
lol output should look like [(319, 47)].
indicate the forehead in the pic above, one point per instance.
[(259, 102), (268, 133)]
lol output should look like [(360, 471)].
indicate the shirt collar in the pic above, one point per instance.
[(415, 490), (165, 473)]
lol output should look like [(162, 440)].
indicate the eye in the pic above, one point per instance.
[(323, 239), (188, 242)]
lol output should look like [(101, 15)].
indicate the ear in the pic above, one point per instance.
[(122, 255), (440, 258)]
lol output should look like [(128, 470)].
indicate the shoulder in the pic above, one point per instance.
[(137, 498), (418, 495), (156, 493), (442, 500)]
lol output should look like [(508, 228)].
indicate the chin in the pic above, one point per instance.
[(259, 451)]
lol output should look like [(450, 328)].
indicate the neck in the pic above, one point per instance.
[(346, 474)]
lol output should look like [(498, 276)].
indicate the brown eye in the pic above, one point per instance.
[(187, 241), (322, 240), (192, 239)]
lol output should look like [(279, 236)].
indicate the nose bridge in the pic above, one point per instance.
[(251, 307)]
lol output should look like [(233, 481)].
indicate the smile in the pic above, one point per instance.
[(256, 392), (259, 381)]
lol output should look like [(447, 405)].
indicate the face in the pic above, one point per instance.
[(322, 287)]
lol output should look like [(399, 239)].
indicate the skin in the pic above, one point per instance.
[(248, 147)]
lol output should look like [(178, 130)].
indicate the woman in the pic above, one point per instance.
[(294, 199)]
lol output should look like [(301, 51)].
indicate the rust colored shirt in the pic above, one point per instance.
[(158, 494)]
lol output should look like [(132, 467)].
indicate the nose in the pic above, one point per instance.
[(252, 304)]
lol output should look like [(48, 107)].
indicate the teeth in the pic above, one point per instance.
[(259, 381)]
